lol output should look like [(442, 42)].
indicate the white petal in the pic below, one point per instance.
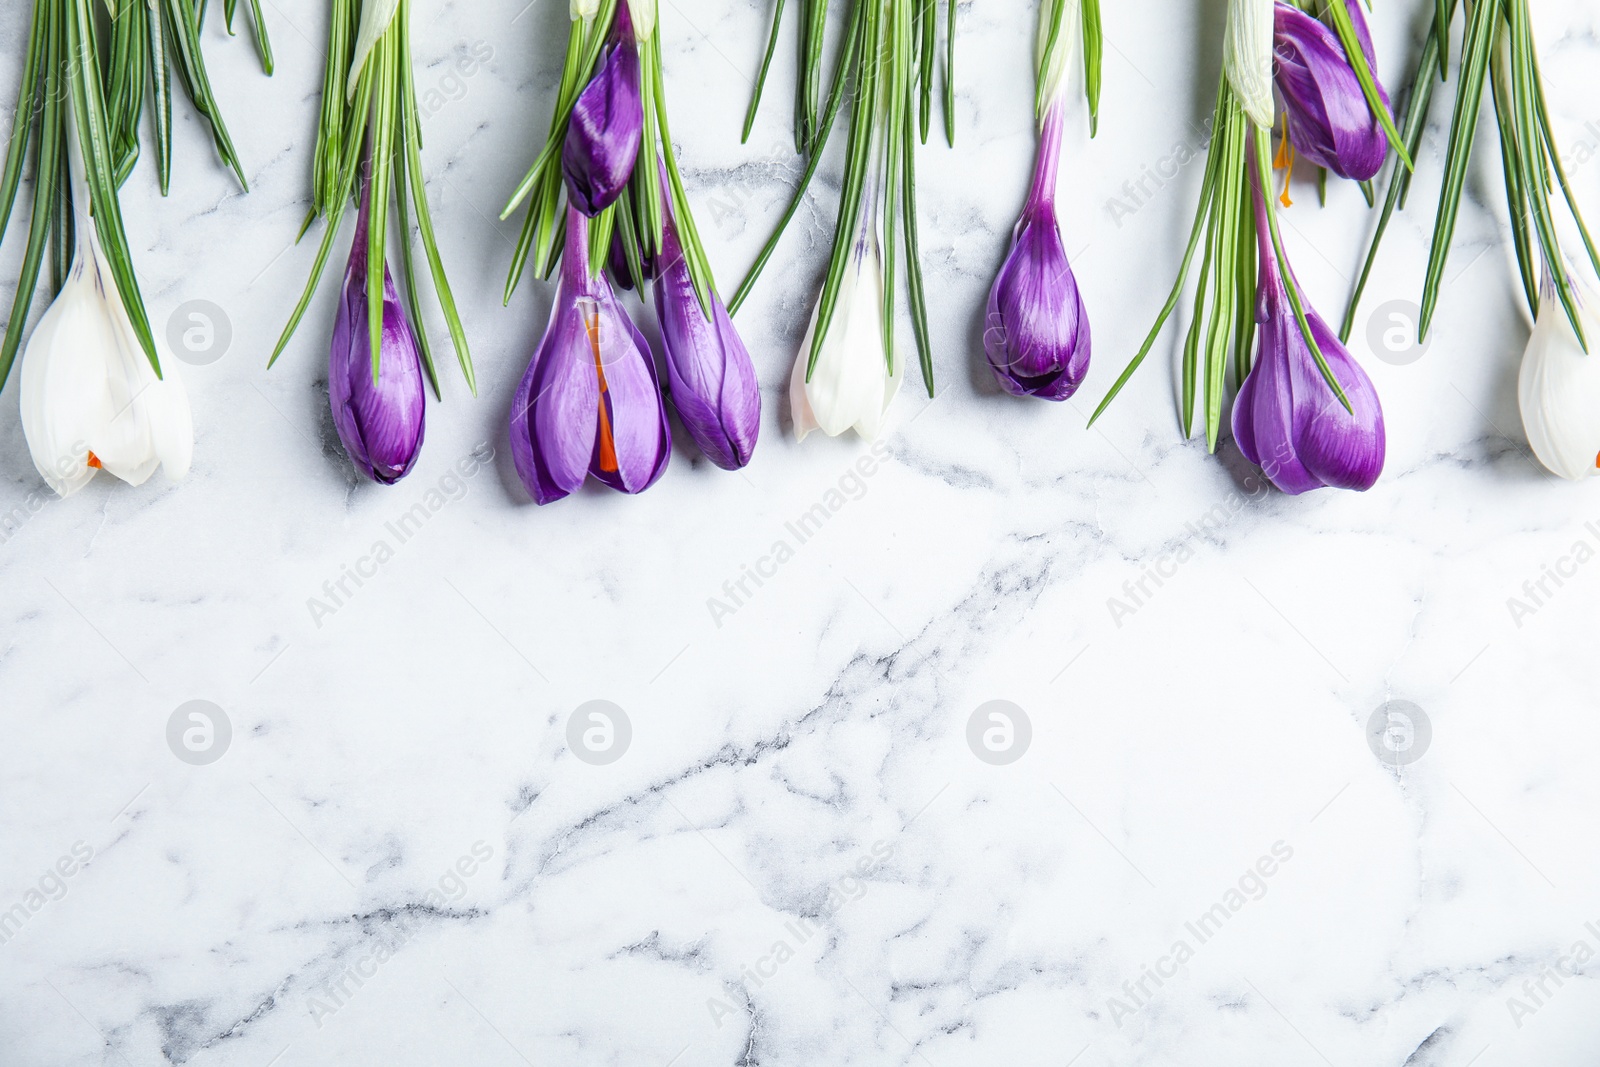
[(1247, 56), (585, 9), (1558, 390), (87, 386), (851, 385), (375, 18), (805, 420), (62, 360)]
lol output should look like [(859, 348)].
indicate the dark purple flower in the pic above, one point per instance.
[(607, 123), (1037, 331), (379, 422), (590, 402), (1285, 419), (1330, 121), (714, 386)]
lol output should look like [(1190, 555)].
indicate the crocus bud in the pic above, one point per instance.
[(590, 402), (1559, 386), (1037, 332), (607, 124), (1247, 56), (380, 422), (852, 383), (1286, 419), (714, 386), (1330, 122), (90, 399)]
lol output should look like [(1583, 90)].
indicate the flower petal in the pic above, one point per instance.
[(714, 386), (1558, 390)]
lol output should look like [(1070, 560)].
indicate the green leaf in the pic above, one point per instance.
[(1534, 176), (1475, 52), (857, 162), (411, 143), (27, 106), (919, 304), (48, 41), (1208, 191), (181, 24), (1264, 176), (1399, 177), (1369, 85), (1093, 60), (950, 73), (761, 79), (336, 208), (814, 26), (853, 45), (927, 54), (383, 62), (88, 99)]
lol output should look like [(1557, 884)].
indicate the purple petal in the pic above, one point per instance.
[(714, 386), (1037, 333), (381, 425), (641, 441), (1330, 121), (589, 402), (553, 418), (607, 123), (1287, 420)]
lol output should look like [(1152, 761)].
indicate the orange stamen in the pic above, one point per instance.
[(1285, 161), (94, 461), (608, 444)]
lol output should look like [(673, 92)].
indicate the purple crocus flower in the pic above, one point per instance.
[(607, 124), (714, 386), (590, 402), (1285, 419), (380, 422), (1329, 119), (1037, 331)]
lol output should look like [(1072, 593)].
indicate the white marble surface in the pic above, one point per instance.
[(629, 913)]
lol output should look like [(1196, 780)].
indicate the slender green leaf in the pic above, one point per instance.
[(761, 79)]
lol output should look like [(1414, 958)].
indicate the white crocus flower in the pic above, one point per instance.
[(852, 385), (375, 18), (585, 10), (1559, 386), (1247, 57), (90, 398)]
